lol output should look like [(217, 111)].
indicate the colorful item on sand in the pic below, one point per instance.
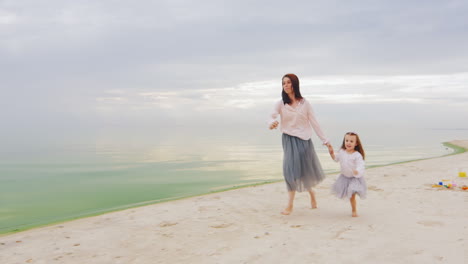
[(449, 184)]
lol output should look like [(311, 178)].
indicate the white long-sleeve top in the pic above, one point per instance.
[(349, 162), (298, 121)]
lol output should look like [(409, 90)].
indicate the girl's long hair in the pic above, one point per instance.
[(295, 85), (358, 146)]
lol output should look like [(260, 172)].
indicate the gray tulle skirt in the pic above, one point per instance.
[(344, 187), (301, 166)]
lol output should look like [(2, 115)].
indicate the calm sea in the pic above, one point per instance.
[(56, 178)]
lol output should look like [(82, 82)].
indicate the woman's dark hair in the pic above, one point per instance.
[(295, 85), (358, 146)]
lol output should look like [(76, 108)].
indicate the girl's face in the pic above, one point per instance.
[(287, 85), (350, 142)]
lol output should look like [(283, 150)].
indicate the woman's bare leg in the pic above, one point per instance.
[(353, 205), (312, 199), (289, 208)]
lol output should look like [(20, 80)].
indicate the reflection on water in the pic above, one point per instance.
[(42, 183)]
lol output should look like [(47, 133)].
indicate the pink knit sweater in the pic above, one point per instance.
[(297, 121)]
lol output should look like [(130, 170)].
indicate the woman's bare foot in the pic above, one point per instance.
[(287, 211), (314, 204), (354, 214)]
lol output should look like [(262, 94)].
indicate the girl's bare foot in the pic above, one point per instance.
[(353, 205), (287, 211)]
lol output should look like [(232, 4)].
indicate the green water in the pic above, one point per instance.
[(47, 183), (37, 194)]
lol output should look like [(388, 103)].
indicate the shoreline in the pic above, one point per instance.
[(456, 150), (403, 220)]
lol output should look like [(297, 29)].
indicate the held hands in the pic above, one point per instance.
[(274, 125), (355, 172), (330, 150)]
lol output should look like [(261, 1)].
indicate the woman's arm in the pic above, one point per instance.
[(273, 123), (315, 125)]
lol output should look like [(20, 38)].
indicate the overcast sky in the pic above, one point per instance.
[(214, 62)]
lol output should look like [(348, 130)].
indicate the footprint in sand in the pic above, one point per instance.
[(431, 223), (219, 251), (203, 208), (222, 225), (166, 224), (342, 231), (264, 235), (170, 235), (375, 188)]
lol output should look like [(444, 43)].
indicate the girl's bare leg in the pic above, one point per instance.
[(353, 205), (289, 208), (312, 199)]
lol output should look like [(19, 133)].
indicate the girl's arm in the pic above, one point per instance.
[(273, 123), (315, 125), (360, 166)]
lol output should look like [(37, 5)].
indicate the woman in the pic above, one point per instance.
[(301, 166)]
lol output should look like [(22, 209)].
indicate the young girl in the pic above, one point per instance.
[(351, 180)]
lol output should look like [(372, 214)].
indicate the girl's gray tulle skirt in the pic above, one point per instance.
[(301, 166), (344, 187)]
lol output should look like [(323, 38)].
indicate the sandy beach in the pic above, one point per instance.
[(403, 220)]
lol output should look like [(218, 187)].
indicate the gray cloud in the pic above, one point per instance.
[(60, 59)]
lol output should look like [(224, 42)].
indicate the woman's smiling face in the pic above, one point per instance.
[(287, 85)]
